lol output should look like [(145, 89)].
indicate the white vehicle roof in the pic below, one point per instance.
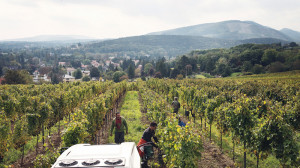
[(109, 155)]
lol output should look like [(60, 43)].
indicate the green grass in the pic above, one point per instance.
[(130, 110), (235, 74), (279, 75), (199, 76)]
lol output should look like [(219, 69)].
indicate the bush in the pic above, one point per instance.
[(258, 69), (74, 135), (276, 67), (86, 78), (180, 76), (46, 160), (158, 75), (207, 75), (296, 65)]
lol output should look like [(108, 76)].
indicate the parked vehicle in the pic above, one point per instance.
[(124, 155)]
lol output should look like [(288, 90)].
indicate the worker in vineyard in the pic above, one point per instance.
[(146, 144), (176, 105), (120, 125), (180, 122)]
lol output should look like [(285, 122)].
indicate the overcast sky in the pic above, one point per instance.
[(122, 18)]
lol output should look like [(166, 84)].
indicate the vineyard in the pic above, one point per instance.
[(253, 121)]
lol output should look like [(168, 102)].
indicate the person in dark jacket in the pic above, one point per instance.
[(176, 105), (145, 145), (180, 122), (120, 125)]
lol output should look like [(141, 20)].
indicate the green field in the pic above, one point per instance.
[(130, 110)]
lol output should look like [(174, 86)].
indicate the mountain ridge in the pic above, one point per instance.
[(294, 35), (168, 45), (229, 30)]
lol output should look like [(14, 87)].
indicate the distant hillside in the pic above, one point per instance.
[(229, 30), (159, 45), (43, 38), (167, 45), (294, 35), (263, 41)]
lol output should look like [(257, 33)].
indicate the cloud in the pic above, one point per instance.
[(49, 17), (119, 18)]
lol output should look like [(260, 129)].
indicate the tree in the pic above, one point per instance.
[(94, 72), (276, 67), (161, 67), (86, 62), (188, 69), (56, 78), (117, 75), (77, 74), (296, 65), (183, 61), (45, 70), (111, 67), (56, 75), (86, 78), (76, 64), (257, 69), (151, 72), (138, 72), (293, 44), (126, 63), (1, 72), (210, 65), (109, 75), (100, 68), (174, 73), (269, 56), (124, 77), (227, 71), (254, 56), (131, 71), (247, 66), (147, 68), (17, 77), (280, 57), (158, 75)]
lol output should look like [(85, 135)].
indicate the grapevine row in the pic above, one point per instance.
[(26, 115), (180, 146), (263, 114)]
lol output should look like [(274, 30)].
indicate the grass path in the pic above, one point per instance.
[(130, 110)]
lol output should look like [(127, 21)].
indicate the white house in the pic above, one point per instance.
[(70, 71), (68, 78)]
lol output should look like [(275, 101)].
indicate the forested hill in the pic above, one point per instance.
[(246, 58), (171, 43), (159, 45), (182, 40), (229, 30), (167, 45), (294, 35)]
